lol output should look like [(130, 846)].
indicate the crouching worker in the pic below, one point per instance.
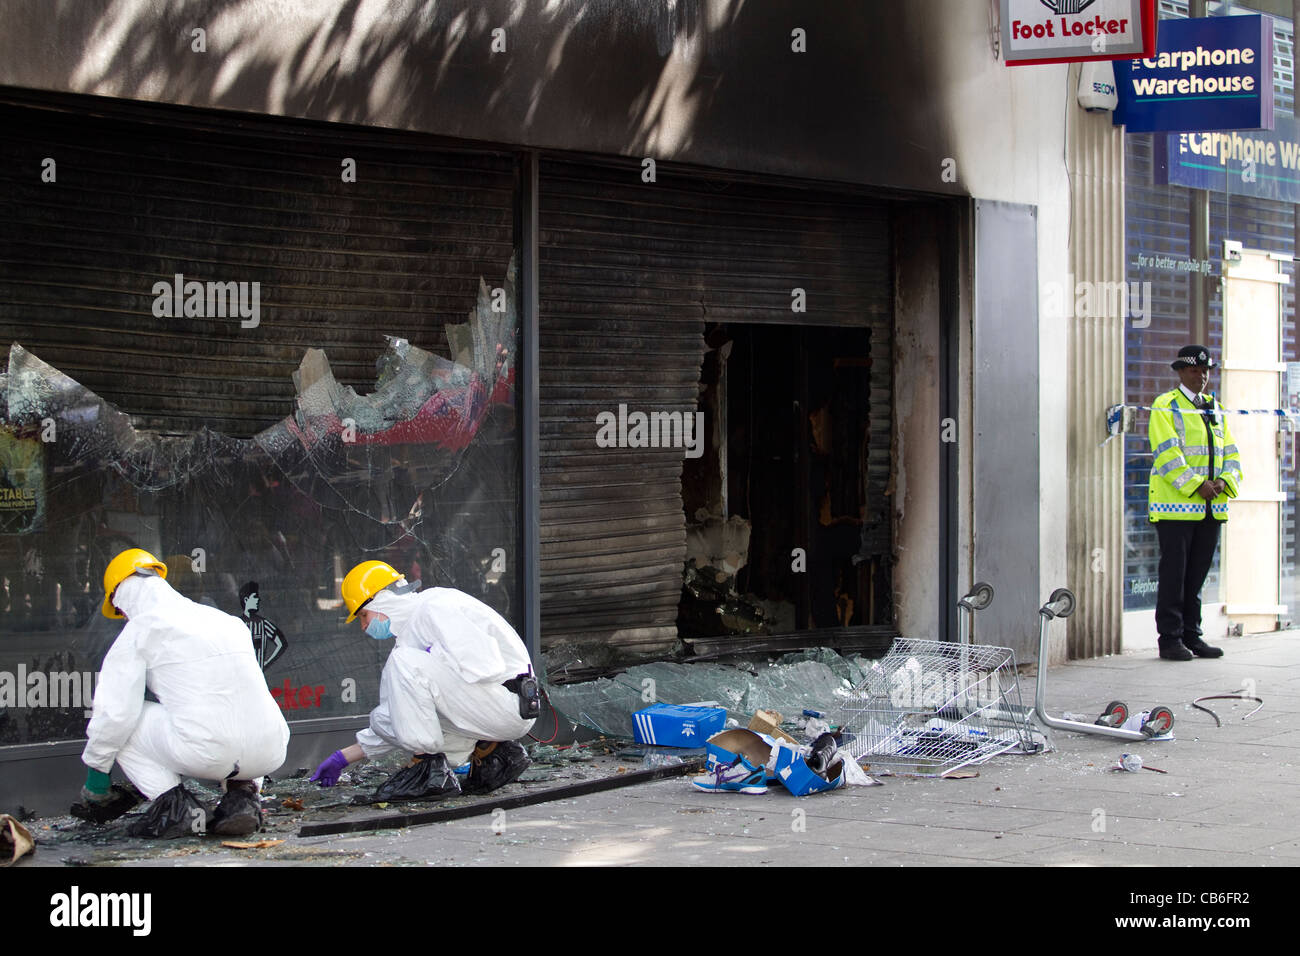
[(457, 685), (214, 718)]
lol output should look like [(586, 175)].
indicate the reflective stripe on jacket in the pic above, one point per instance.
[(1185, 455)]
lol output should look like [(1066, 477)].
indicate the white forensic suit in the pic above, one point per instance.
[(441, 690), (215, 718)]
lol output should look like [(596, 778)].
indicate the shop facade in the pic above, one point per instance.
[(467, 287)]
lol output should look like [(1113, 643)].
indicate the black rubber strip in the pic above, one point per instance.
[(1218, 723), (396, 821)]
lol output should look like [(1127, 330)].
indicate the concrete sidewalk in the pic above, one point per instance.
[(1228, 799)]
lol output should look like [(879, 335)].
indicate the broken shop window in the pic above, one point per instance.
[(421, 473)]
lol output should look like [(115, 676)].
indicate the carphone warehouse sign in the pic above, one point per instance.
[(1207, 74), (1262, 163)]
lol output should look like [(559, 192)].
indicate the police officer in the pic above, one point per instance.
[(1195, 470)]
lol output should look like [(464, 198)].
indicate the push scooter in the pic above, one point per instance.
[(1160, 719)]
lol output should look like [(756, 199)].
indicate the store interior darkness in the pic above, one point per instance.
[(784, 532)]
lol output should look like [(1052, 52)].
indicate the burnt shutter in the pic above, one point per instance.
[(630, 274), (146, 193)]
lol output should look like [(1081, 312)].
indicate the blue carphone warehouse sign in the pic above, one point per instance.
[(1213, 73)]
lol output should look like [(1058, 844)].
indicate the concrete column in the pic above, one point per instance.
[(1094, 378)]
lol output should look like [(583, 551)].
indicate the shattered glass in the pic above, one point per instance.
[(421, 473), (816, 678)]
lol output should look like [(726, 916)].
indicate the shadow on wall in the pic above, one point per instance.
[(399, 64), (726, 83)]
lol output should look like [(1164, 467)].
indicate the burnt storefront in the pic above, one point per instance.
[(221, 347), (656, 327), (265, 360)]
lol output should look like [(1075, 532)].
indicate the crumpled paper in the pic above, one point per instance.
[(15, 840)]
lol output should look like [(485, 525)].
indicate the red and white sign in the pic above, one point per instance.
[(1065, 31)]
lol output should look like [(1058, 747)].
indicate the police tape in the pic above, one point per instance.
[(1118, 421)]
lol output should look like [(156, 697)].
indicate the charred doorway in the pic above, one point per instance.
[(787, 506)]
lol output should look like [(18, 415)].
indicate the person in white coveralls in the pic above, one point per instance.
[(214, 718), (458, 685)]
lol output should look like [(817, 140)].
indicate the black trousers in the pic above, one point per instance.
[(1186, 553)]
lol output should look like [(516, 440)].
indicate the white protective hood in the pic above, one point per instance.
[(143, 594), (476, 641)]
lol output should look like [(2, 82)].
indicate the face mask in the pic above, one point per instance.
[(378, 629)]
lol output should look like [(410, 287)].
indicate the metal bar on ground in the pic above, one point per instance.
[(397, 821)]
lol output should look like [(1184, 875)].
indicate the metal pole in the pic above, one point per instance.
[(400, 821), (530, 489), (1198, 323), (951, 222)]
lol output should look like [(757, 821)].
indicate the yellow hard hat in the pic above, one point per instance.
[(121, 568), (365, 581)]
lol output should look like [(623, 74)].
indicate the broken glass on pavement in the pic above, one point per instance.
[(814, 678)]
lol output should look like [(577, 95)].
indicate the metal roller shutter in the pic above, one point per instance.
[(141, 195), (630, 274)]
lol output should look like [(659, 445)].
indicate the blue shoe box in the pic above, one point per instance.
[(665, 725)]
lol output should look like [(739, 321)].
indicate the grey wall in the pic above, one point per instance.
[(713, 82), (1006, 444)]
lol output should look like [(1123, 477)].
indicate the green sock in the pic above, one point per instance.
[(97, 782)]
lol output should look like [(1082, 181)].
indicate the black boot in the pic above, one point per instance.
[(493, 765), (1173, 649), (176, 813), (240, 811), (124, 800), (427, 778), (1200, 648)]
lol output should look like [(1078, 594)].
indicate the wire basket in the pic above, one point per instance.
[(928, 708)]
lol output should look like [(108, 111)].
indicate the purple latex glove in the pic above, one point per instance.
[(327, 774)]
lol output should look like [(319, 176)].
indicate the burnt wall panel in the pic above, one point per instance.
[(720, 83)]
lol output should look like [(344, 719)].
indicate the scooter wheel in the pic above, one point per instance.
[(981, 596), (1114, 715), (1160, 721)]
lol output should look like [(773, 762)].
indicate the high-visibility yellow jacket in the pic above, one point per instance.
[(1186, 453)]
